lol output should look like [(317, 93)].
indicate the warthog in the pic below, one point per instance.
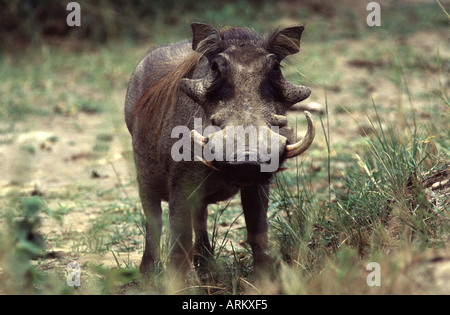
[(222, 79)]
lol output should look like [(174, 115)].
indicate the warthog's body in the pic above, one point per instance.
[(229, 78)]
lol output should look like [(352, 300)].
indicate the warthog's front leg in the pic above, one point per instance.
[(255, 203), (180, 222)]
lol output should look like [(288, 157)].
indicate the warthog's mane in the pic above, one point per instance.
[(159, 100)]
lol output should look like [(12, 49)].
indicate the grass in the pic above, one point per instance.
[(382, 207), (358, 196), (383, 211)]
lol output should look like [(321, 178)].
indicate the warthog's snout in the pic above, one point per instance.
[(251, 152)]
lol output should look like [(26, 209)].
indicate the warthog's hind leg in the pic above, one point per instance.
[(202, 246)]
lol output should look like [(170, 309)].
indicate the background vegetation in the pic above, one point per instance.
[(373, 187)]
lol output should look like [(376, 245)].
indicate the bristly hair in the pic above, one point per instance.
[(239, 34), (160, 98)]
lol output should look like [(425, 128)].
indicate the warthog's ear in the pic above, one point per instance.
[(206, 39), (286, 41)]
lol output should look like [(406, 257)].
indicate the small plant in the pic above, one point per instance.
[(23, 243)]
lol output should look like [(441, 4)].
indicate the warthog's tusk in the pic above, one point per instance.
[(198, 138), (303, 145)]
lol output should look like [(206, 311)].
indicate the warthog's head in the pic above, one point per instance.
[(240, 86)]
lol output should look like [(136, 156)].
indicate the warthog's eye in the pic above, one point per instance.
[(276, 68), (218, 71), (219, 65), (270, 87), (273, 65), (215, 66), (218, 88)]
